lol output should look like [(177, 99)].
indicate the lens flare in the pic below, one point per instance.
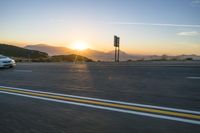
[(80, 45)]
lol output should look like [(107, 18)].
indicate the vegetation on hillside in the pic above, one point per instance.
[(63, 58), (24, 55), (14, 51), (70, 58)]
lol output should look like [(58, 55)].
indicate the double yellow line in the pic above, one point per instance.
[(105, 104), (94, 102)]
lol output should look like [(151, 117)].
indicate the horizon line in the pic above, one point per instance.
[(130, 53)]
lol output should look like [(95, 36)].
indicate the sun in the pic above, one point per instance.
[(80, 45)]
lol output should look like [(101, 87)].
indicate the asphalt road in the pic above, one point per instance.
[(175, 85)]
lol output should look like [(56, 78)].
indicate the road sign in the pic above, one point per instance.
[(115, 41), (116, 45), (118, 41)]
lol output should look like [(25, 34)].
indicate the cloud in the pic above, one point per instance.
[(189, 33), (196, 2), (155, 24)]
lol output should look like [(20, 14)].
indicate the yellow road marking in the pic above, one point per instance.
[(143, 109)]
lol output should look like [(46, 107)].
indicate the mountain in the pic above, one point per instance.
[(125, 56), (188, 57), (96, 55), (70, 58), (107, 56), (90, 53), (167, 57), (22, 54), (14, 51), (51, 50)]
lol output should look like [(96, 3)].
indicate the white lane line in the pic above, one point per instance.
[(110, 101), (193, 77), (28, 71), (110, 109)]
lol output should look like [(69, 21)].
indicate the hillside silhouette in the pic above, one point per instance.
[(90, 53), (70, 58), (14, 51), (51, 50), (23, 54)]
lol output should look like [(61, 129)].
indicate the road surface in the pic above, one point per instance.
[(100, 97)]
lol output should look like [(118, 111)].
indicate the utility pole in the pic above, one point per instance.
[(116, 45)]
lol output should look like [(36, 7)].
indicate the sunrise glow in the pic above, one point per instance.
[(174, 30), (79, 45)]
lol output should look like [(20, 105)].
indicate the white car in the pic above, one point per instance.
[(6, 62)]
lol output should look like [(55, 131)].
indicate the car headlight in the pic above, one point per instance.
[(12, 61)]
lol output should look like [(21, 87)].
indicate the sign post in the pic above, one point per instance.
[(116, 45)]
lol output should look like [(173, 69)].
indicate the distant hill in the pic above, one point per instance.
[(66, 54), (167, 57), (14, 51), (22, 54), (51, 50), (90, 53), (106, 56), (70, 58)]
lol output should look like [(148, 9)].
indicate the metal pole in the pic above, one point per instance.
[(118, 55), (115, 54)]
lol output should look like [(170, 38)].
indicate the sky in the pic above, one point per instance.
[(144, 26)]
